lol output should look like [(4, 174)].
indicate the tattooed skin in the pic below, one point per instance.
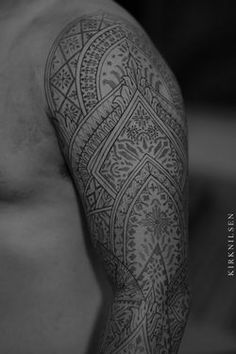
[(119, 119)]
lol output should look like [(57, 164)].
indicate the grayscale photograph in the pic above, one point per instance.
[(117, 177)]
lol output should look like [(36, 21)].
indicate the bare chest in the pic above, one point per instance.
[(29, 150)]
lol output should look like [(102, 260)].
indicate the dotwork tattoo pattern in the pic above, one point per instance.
[(118, 114)]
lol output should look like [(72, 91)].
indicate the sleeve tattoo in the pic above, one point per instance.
[(120, 122)]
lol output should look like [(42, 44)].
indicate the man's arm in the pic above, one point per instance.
[(118, 114)]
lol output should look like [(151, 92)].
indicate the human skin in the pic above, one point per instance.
[(118, 114), (50, 295)]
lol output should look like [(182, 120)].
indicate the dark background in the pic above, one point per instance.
[(197, 39)]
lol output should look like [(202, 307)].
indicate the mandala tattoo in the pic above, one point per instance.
[(120, 123)]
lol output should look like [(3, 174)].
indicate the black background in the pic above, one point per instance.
[(197, 38)]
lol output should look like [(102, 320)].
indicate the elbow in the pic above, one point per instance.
[(179, 306)]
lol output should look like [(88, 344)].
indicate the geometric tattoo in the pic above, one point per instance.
[(119, 118)]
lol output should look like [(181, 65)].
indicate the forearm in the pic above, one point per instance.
[(136, 324), (125, 322)]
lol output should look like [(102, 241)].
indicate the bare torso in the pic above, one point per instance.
[(50, 296)]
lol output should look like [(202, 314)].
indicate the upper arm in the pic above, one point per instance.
[(119, 117)]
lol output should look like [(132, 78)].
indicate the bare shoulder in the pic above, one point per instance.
[(97, 55)]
